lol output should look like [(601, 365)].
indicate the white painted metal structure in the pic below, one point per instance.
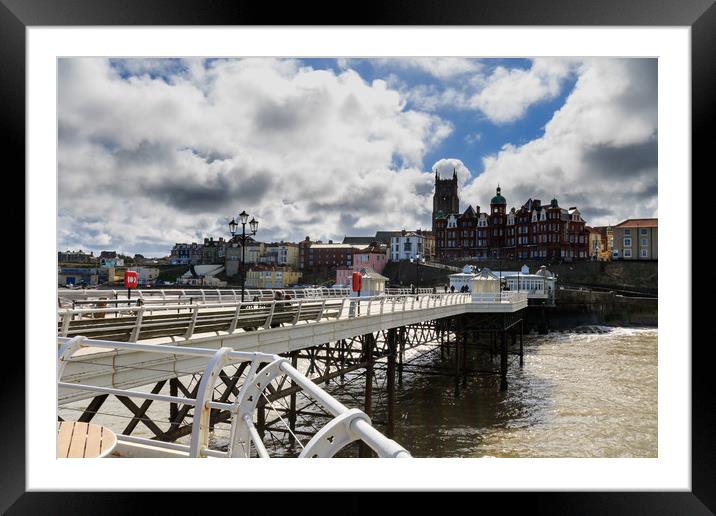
[(159, 296), (329, 320), (347, 425)]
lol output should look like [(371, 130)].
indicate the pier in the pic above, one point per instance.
[(200, 352)]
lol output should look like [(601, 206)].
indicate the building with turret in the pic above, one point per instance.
[(534, 231)]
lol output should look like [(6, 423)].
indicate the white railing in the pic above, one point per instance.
[(347, 425), (407, 290), (136, 323), (506, 296), (118, 297)]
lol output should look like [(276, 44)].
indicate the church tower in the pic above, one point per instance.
[(445, 198)]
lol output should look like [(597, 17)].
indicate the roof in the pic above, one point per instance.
[(366, 240), (370, 273), (336, 246), (409, 234), (498, 199), (384, 236), (197, 271), (486, 274), (642, 223)]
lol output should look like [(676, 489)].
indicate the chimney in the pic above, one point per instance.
[(330, 241)]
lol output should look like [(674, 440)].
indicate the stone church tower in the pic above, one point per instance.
[(445, 198)]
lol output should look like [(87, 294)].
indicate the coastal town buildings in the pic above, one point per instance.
[(534, 231), (407, 246), (373, 257), (76, 257), (262, 276), (636, 239), (314, 256)]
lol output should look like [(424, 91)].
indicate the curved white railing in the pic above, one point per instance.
[(347, 425)]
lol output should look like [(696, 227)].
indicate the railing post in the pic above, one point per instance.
[(66, 318), (320, 314), (235, 320), (382, 302), (202, 411), (137, 325), (343, 306), (192, 324), (267, 324), (298, 312)]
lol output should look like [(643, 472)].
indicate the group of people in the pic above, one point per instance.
[(463, 289)]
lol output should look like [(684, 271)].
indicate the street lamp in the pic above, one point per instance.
[(417, 261), (243, 238)]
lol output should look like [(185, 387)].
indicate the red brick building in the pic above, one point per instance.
[(317, 256), (534, 231)]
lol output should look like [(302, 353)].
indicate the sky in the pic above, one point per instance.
[(152, 152)]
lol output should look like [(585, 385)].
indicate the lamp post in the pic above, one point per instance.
[(417, 260), (243, 238)]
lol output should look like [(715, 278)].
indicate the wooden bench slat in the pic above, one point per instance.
[(93, 447), (64, 438), (79, 438)]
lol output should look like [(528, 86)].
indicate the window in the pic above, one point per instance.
[(644, 241), (643, 231), (627, 232), (627, 253), (627, 242), (644, 253)]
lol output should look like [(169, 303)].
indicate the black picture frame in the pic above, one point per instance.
[(17, 15)]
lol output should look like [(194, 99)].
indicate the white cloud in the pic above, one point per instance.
[(503, 95), (598, 151), (154, 159)]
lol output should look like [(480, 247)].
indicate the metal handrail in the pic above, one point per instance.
[(351, 424), (227, 315)]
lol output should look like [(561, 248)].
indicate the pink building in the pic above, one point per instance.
[(374, 257)]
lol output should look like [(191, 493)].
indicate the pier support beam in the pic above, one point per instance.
[(292, 403), (173, 391), (401, 337), (368, 341), (503, 361), (457, 366), (390, 380), (464, 359)]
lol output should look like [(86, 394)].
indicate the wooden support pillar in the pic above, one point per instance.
[(368, 341), (390, 380), (292, 402), (503, 361), (441, 331)]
